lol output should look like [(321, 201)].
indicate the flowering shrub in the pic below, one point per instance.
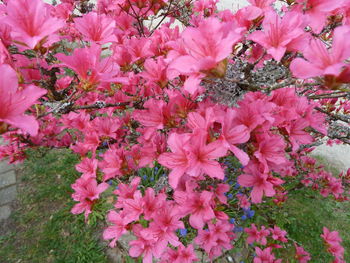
[(189, 129)]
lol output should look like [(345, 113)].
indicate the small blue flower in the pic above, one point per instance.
[(230, 196), (238, 229), (155, 169), (250, 213), (152, 179), (183, 232), (244, 217), (164, 174), (232, 220), (230, 182), (116, 188), (144, 177), (237, 185)]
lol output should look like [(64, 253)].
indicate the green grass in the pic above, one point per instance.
[(43, 229), (305, 214)]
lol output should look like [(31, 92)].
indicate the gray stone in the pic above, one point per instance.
[(7, 178), (5, 212), (8, 194), (4, 166)]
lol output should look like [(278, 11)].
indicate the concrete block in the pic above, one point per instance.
[(5, 212), (4, 166), (7, 178), (8, 194)]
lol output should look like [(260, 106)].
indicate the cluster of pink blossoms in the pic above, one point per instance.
[(126, 89)]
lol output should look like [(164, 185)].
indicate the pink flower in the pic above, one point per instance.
[(206, 46), (198, 205), (322, 61), (271, 151), (88, 167), (185, 254), (261, 182), (118, 228), (133, 207), (317, 11), (177, 160), (279, 33), (96, 27), (206, 239), (15, 102), (32, 23), (166, 222), (255, 235), (278, 234), (144, 245), (86, 192), (265, 256), (202, 157), (331, 237), (301, 255), (234, 134), (90, 68), (333, 241), (152, 203)]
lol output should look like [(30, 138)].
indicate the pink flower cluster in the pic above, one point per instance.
[(333, 243), (222, 113)]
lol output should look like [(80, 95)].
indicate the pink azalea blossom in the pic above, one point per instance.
[(166, 222), (118, 228), (265, 256), (181, 255), (144, 245), (234, 134), (177, 160), (301, 255), (32, 23), (96, 27), (317, 11), (278, 234), (280, 34), (261, 182), (87, 190), (198, 205), (90, 68), (255, 235), (206, 46), (14, 101), (322, 61), (88, 167)]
